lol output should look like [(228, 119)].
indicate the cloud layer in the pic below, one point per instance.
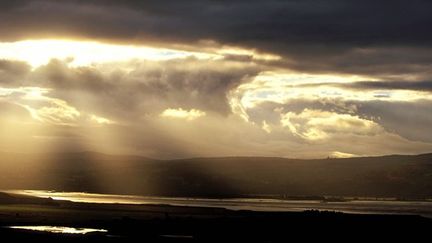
[(384, 38), (190, 107), (212, 78)]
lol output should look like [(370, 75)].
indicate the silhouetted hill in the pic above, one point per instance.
[(401, 176)]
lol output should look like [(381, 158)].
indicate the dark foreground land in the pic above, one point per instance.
[(161, 223)]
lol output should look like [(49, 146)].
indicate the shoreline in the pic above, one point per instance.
[(167, 223), (423, 208)]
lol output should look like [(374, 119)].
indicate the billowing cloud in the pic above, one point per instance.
[(207, 78), (45, 109), (191, 107), (319, 125), (390, 105), (137, 88)]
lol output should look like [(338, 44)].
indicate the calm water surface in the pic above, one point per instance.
[(356, 206)]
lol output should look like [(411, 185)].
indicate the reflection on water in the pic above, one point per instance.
[(256, 204), (59, 229)]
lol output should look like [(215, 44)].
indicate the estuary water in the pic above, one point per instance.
[(423, 208), (59, 229)]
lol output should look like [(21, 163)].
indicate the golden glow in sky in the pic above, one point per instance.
[(138, 87), (81, 53), (180, 113)]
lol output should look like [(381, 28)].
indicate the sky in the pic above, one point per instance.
[(175, 79)]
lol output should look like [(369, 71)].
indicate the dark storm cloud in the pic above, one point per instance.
[(137, 88), (390, 85), (379, 85), (388, 62), (312, 35), (411, 120)]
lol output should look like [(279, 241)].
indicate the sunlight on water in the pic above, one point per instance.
[(59, 229), (83, 197), (255, 204)]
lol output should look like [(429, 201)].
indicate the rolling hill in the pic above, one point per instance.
[(399, 176)]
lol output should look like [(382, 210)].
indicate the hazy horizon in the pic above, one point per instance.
[(205, 157)]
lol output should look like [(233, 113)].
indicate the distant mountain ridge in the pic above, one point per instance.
[(400, 176)]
